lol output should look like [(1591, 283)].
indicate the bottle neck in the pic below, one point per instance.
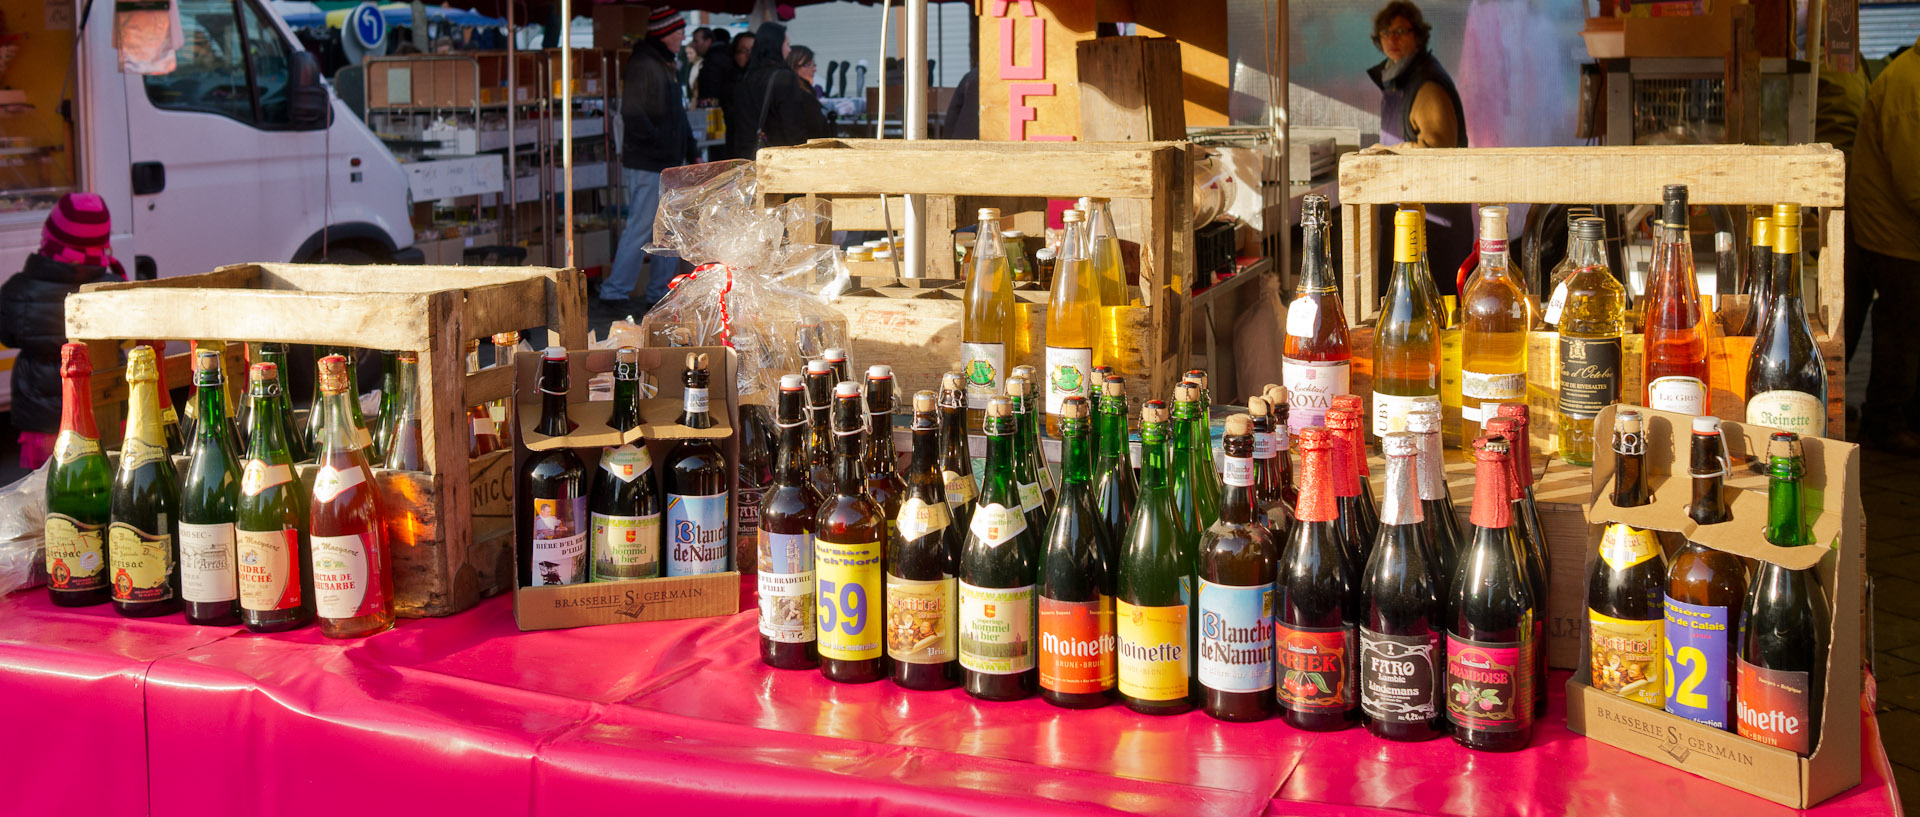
[(266, 437), (693, 406), (926, 445), (76, 406), (1492, 493), (1786, 277), (1709, 500), (791, 460), (1075, 450), (880, 456), (1630, 480), (1316, 264), (1346, 474), (337, 434), (1237, 499), (1000, 455), (211, 405), (406, 381), (1073, 242), (1153, 455), (849, 474), (1784, 525), (1432, 476), (626, 403), (988, 248), (1587, 252), (953, 427), (1316, 503), (143, 412), (1400, 505)]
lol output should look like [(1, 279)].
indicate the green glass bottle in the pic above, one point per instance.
[(78, 484), (209, 583), (1155, 665), (316, 419), (272, 551), (786, 579), (1784, 641), (383, 426), (1116, 489), (1020, 394), (276, 354), (1076, 579), (169, 419), (998, 571), (1206, 477), (142, 551), (1029, 428), (1189, 499)]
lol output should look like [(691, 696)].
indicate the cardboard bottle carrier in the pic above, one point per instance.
[(1830, 489), (713, 594)]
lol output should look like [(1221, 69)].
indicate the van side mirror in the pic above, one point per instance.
[(311, 106)]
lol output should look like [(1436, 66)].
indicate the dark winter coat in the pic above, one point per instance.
[(793, 113), (658, 135), (33, 319)]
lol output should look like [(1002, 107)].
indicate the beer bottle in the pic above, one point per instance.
[(1238, 560), (270, 527), (1490, 613), (987, 332), (352, 565), (1625, 585), (1269, 505), (623, 503), (956, 460), (209, 582), (1318, 602), (1401, 621), (884, 484), (276, 354), (836, 359), (1532, 550), (142, 541), (79, 482), (1027, 417), (1357, 529), (1188, 497), (1026, 481), (755, 471), (820, 382), (1277, 402), (1206, 478), (1783, 643), (176, 441), (697, 531), (402, 446), (1362, 470), (787, 636), (1436, 502), (1150, 606), (553, 534), (1116, 490), (922, 607), (1705, 591), (848, 554), (1077, 579), (998, 568)]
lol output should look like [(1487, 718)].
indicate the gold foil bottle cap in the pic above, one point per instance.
[(1239, 425), (989, 214), (1786, 214), (333, 374), (1257, 406), (140, 365), (1350, 402), (1762, 231), (924, 401), (1073, 216)]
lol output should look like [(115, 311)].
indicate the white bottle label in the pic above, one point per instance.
[(1557, 304), (339, 575), (918, 518), (1795, 411), (1239, 473), (560, 541), (697, 535), (695, 401), (985, 364), (1682, 395), (1262, 445), (1503, 387), (1390, 410), (207, 572), (1067, 372), (1302, 314), (1030, 496), (1311, 385), (627, 462), (960, 488), (995, 524)]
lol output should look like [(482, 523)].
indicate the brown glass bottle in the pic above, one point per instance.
[(1269, 505), (696, 536), (1626, 585), (849, 551), (786, 578), (553, 485), (820, 382), (1402, 618), (922, 605), (1511, 428), (1706, 591), (884, 484), (1317, 601), (1238, 563), (1490, 612), (1277, 402), (956, 461)]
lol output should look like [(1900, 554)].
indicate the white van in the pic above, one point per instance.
[(242, 153)]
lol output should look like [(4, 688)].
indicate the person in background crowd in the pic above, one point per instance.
[(717, 71), (693, 52), (74, 250), (802, 61), (657, 137), (736, 76), (1883, 200), (963, 110), (792, 113), (1419, 106)]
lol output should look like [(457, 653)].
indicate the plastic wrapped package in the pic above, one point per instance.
[(23, 524), (760, 283)]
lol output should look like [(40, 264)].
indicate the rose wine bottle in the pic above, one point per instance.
[(352, 565), (1316, 360), (1676, 325)]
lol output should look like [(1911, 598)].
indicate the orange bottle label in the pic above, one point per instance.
[(1076, 645)]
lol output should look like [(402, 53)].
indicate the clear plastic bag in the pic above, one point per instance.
[(23, 527), (760, 284)]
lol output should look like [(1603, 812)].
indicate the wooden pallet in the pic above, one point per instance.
[(451, 525)]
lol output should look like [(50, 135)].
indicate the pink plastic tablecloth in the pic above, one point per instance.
[(468, 716)]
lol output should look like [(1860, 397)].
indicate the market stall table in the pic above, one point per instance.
[(466, 715)]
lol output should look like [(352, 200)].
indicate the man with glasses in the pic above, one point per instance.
[(1419, 106)]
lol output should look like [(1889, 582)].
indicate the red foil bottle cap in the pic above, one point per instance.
[(1522, 443), (1510, 428), (75, 361), (1492, 496), (1316, 465), (1344, 425)]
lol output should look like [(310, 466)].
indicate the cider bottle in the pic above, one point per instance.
[(1153, 665), (1073, 322), (143, 554), (1116, 490), (1784, 641), (274, 554), (1757, 283), (276, 354), (79, 485), (1077, 579), (956, 461), (403, 452), (352, 564), (209, 579), (623, 503), (998, 571), (1032, 501), (553, 533), (1787, 377)]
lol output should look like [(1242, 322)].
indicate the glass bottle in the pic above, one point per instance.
[(176, 441), (987, 331), (820, 383), (1096, 427), (884, 484), (271, 517), (1357, 528), (848, 555), (836, 359), (553, 533), (787, 636), (1073, 321), (1019, 262), (1027, 416), (1401, 619), (922, 602), (1206, 478), (79, 484), (1269, 506), (1189, 500), (1490, 613), (389, 415), (1317, 358), (1277, 402), (209, 580), (1436, 501), (1116, 489), (352, 565), (1705, 591), (695, 533), (755, 472), (1406, 344), (276, 354), (1152, 592), (505, 346), (1787, 378), (1026, 481), (1103, 243), (1527, 528), (1239, 560), (1783, 640), (623, 503), (1362, 469), (1423, 270), (998, 570), (1077, 580), (1757, 283), (143, 554), (1626, 585), (483, 437), (956, 460), (1676, 325), (402, 446), (1317, 600), (1557, 279), (1592, 316), (1495, 316)]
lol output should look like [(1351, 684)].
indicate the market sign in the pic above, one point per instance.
[(1029, 89)]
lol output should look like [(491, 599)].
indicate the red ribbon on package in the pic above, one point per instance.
[(726, 318)]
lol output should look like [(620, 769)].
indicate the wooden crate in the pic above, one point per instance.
[(451, 525), (919, 335)]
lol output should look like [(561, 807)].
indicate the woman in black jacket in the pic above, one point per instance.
[(793, 113), (74, 250)]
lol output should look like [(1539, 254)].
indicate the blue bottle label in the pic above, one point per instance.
[(696, 534), (1698, 678), (1236, 637)]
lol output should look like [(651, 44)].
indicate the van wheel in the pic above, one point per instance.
[(345, 254)]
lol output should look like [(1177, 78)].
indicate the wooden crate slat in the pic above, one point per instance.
[(1122, 170), (1811, 175), (392, 278), (368, 320)]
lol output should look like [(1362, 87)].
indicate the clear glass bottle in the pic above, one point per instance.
[(1592, 318), (1495, 317)]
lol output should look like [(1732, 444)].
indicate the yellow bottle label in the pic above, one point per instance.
[(1624, 546), (142, 563), (920, 620), (1627, 657), (1153, 651), (849, 582), (76, 554)]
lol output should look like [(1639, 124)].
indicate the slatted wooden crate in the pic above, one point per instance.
[(918, 333), (451, 525)]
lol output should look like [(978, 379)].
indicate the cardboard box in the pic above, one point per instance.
[(1705, 35), (578, 605), (1838, 556)]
